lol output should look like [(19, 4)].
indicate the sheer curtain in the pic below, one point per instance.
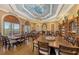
[(16, 28), (10, 28), (7, 28), (27, 28)]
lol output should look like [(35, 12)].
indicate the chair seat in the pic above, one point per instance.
[(43, 49), (43, 52)]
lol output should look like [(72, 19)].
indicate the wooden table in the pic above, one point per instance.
[(55, 43), (13, 39)]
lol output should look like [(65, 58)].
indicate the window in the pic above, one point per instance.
[(27, 28), (16, 28), (7, 28), (11, 25), (10, 28)]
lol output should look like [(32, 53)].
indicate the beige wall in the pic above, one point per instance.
[(55, 26), (38, 25), (49, 26)]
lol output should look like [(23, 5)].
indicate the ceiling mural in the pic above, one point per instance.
[(38, 11)]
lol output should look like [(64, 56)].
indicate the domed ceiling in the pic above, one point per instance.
[(41, 12), (38, 11)]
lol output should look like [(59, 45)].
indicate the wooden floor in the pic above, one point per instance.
[(24, 49)]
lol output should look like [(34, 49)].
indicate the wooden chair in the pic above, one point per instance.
[(43, 48), (0, 37), (21, 40), (18, 40), (6, 42), (77, 50), (35, 45), (26, 39), (1, 41), (64, 50), (77, 42)]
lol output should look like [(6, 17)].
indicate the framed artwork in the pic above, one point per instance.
[(44, 26)]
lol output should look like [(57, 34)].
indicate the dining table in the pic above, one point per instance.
[(56, 42), (13, 39)]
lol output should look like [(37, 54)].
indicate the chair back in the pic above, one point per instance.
[(64, 50), (22, 36), (5, 40), (43, 46)]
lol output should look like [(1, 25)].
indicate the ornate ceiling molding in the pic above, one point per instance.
[(33, 14), (50, 14)]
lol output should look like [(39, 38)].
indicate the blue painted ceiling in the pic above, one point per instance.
[(38, 11)]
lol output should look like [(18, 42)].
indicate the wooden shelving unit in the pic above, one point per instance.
[(64, 27)]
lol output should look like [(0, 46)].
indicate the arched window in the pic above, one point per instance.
[(10, 25), (27, 27)]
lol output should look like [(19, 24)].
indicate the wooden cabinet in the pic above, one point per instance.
[(64, 27), (74, 25)]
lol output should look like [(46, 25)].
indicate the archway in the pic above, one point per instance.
[(27, 27), (11, 25)]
